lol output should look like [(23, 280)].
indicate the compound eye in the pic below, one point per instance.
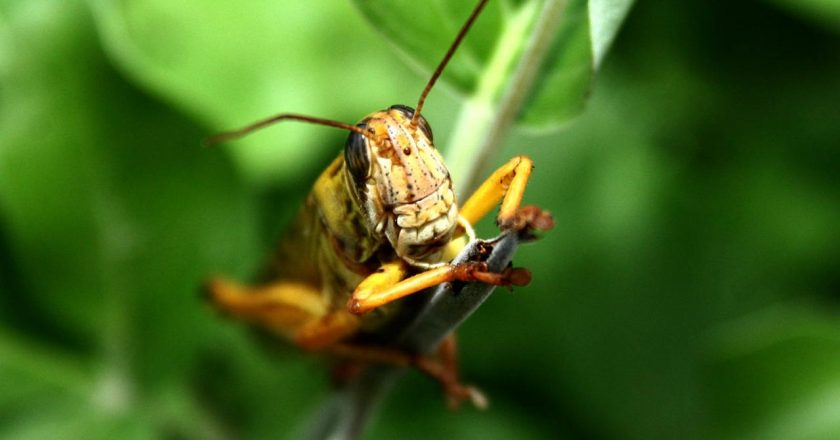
[(356, 156), (421, 122)]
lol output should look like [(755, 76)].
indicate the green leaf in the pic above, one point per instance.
[(114, 214), (48, 206), (605, 18), (777, 376), (63, 419), (825, 12), (31, 371), (231, 63), (496, 49)]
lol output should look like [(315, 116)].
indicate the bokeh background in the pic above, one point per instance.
[(689, 290)]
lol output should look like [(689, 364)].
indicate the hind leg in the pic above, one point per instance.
[(295, 311)]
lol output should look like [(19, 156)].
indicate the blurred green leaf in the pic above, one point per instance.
[(230, 63), (109, 203), (492, 51), (825, 12), (49, 208), (605, 18), (30, 371), (91, 238), (68, 419), (776, 375)]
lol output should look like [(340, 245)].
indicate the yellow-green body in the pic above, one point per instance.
[(327, 245)]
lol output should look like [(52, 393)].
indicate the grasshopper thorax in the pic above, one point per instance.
[(402, 185)]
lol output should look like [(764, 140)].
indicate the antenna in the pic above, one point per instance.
[(236, 134), (445, 61)]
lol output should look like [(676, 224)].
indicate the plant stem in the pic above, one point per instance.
[(483, 124)]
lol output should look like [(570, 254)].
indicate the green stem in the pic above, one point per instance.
[(483, 124)]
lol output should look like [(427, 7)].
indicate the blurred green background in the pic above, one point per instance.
[(689, 289)]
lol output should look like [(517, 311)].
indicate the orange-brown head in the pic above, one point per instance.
[(401, 183)]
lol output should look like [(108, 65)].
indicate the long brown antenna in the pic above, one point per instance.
[(445, 61), (236, 134)]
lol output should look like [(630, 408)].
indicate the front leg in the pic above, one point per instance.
[(370, 295), (507, 185)]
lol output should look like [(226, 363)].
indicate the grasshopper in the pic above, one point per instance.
[(380, 223)]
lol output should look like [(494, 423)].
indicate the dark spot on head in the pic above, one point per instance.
[(407, 151)]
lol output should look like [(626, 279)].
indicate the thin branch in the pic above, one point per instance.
[(518, 88)]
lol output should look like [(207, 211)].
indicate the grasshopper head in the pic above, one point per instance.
[(401, 184)]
